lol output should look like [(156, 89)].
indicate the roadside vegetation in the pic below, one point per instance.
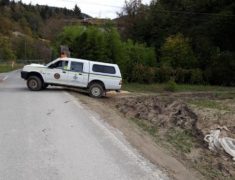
[(8, 67), (149, 50), (27, 30), (166, 87)]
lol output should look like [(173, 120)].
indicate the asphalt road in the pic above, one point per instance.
[(49, 135)]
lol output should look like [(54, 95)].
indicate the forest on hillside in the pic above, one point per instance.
[(26, 31), (184, 41), (188, 35)]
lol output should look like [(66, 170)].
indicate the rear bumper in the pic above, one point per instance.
[(24, 75)]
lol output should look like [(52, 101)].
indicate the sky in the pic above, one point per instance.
[(94, 8)]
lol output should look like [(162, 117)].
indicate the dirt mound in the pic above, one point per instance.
[(184, 126), (160, 113)]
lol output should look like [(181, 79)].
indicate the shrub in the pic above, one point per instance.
[(222, 72), (170, 86), (196, 76), (177, 52), (182, 75), (163, 74), (143, 74)]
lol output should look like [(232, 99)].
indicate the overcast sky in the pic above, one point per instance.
[(101, 8)]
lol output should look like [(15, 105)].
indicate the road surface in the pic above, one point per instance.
[(49, 135)]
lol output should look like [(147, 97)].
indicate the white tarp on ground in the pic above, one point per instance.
[(220, 143)]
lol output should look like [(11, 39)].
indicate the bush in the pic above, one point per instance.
[(163, 74), (196, 76), (182, 75), (222, 72), (143, 74), (170, 86), (177, 53)]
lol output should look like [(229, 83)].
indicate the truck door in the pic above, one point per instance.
[(57, 72), (77, 76)]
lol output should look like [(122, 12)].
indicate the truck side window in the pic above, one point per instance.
[(59, 65), (76, 66), (103, 69)]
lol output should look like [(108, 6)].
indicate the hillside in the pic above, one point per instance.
[(26, 30)]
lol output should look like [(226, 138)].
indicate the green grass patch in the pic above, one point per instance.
[(208, 170), (158, 88), (180, 139), (230, 95), (143, 124), (8, 67), (209, 104)]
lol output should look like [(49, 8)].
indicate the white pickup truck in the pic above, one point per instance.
[(96, 77)]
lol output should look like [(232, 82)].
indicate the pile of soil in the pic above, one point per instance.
[(161, 113), (171, 113)]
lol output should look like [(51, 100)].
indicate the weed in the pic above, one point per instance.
[(209, 104), (180, 139), (158, 88), (170, 86), (7, 67), (152, 130)]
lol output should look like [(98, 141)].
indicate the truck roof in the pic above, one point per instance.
[(84, 60)]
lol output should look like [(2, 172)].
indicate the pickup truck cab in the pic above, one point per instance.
[(96, 77)]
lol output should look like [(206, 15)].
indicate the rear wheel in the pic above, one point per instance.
[(96, 90), (34, 83)]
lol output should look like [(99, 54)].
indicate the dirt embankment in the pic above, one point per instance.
[(162, 114), (169, 129), (181, 124)]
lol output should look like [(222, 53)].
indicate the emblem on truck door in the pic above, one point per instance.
[(57, 76)]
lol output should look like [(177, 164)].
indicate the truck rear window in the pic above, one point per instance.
[(103, 69)]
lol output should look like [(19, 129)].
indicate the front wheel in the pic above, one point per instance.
[(34, 83), (45, 86), (96, 90)]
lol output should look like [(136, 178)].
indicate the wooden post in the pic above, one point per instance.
[(12, 64)]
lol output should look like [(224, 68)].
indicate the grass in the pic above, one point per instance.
[(212, 104), (158, 88), (207, 169), (148, 127), (7, 67), (180, 139)]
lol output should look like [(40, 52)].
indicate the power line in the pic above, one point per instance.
[(164, 11), (92, 3), (196, 13)]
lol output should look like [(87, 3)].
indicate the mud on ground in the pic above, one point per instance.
[(180, 121)]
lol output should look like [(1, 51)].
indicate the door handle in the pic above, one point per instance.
[(79, 73), (64, 71)]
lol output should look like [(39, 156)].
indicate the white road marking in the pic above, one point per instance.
[(121, 142), (123, 145)]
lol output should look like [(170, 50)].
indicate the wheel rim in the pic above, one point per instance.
[(33, 83), (96, 91)]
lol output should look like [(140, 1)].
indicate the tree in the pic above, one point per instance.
[(177, 53), (222, 69), (6, 52), (77, 11), (4, 2)]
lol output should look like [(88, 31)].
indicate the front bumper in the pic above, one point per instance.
[(24, 75)]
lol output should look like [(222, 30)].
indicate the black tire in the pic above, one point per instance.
[(96, 90), (34, 83)]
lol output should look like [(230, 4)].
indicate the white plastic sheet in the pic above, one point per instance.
[(220, 143)]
